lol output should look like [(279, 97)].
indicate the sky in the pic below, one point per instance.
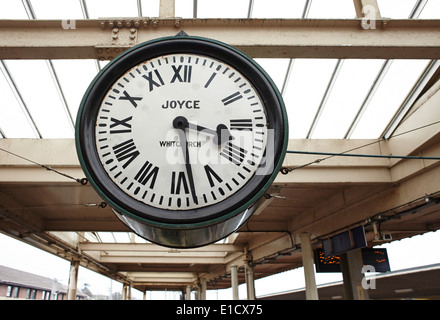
[(416, 251)]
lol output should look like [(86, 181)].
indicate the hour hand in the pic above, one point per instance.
[(221, 133)]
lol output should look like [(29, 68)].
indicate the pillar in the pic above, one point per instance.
[(203, 291), (129, 291), (365, 8), (234, 282), (73, 279), (188, 292), (309, 269), (250, 286), (124, 291), (166, 8), (351, 266)]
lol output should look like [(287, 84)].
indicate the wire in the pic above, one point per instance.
[(285, 170), (82, 181), (363, 155)]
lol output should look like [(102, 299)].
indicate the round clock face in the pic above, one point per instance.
[(181, 131)]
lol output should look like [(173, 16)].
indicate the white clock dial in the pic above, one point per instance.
[(181, 131)]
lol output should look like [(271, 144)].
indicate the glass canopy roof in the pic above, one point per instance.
[(325, 98)]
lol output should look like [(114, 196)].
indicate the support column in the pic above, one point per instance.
[(250, 286), (188, 292), (366, 8), (234, 282), (73, 279), (351, 266), (197, 293), (309, 270), (129, 291), (167, 8), (124, 291), (203, 291)]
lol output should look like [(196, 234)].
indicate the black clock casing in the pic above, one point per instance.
[(219, 83)]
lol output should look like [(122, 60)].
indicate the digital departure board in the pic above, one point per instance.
[(376, 257)]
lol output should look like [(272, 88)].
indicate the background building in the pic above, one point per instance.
[(16, 284)]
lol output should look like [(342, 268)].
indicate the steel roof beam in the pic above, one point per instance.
[(259, 38), (150, 247)]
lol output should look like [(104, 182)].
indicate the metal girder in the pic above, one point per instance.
[(150, 247), (59, 155), (161, 260), (260, 38)]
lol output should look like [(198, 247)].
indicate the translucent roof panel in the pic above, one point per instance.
[(112, 8), (308, 81), (337, 9), (393, 10), (184, 8), (12, 9), (13, 120), (50, 9), (305, 83), (276, 69), (150, 8), (39, 93), (394, 88), (222, 9), (349, 91), (74, 77), (278, 9), (431, 10), (115, 237)]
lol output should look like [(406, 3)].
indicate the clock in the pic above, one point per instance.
[(181, 136)]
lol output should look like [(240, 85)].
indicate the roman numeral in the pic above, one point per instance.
[(146, 173), (210, 174), (233, 153), (186, 77), (130, 98), (241, 124), (151, 81), (232, 98), (210, 79), (123, 123), (126, 151), (178, 180)]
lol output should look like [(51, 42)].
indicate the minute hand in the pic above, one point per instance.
[(181, 124)]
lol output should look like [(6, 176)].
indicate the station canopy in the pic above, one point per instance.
[(325, 98)]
